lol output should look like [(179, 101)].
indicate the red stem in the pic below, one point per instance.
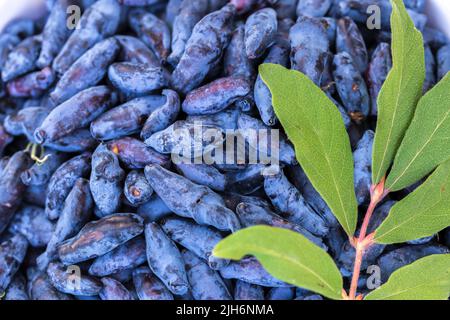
[(364, 241)]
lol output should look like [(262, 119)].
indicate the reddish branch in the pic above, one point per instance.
[(363, 242)]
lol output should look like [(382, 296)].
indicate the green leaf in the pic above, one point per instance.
[(425, 279), (427, 140), (286, 255), (422, 213), (402, 89), (315, 126)]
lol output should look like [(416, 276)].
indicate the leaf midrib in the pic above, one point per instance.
[(283, 256), (421, 149), (423, 284), (332, 173), (400, 70)]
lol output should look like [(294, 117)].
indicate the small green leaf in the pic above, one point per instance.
[(427, 140), (425, 279), (286, 255), (315, 127), (422, 213), (402, 89)]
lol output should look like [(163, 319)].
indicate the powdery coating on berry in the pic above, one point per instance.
[(76, 212), (12, 253), (98, 22), (215, 96), (260, 31), (99, 237), (126, 119), (165, 260)]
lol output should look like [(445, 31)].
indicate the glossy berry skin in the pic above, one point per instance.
[(206, 284), (200, 240), (98, 22), (350, 40), (200, 203), (99, 237), (206, 45), (351, 86), (379, 67), (260, 32), (165, 259)]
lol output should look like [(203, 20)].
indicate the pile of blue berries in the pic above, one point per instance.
[(92, 203)]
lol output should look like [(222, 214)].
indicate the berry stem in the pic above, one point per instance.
[(364, 241)]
